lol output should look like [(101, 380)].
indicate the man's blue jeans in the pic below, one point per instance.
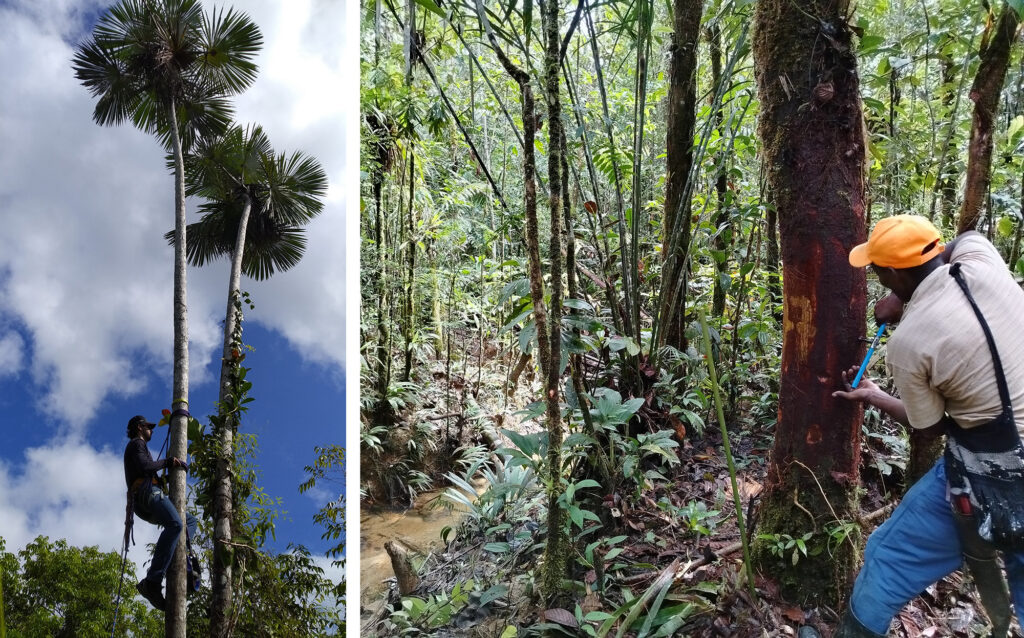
[(153, 506), (916, 547)]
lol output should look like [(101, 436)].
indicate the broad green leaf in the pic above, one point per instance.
[(870, 42), (431, 6), (492, 594), (1016, 128), (527, 336), (529, 444)]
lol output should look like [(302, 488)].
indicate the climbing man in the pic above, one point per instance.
[(149, 502), (950, 381)]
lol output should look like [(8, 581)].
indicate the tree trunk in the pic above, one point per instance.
[(220, 576), (556, 550), (682, 102), (383, 352), (988, 84), (812, 133), (174, 619), (401, 563), (410, 281), (410, 275)]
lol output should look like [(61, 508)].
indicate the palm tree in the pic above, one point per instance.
[(256, 206), (169, 69)]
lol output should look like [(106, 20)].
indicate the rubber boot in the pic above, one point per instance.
[(850, 627), (981, 558)]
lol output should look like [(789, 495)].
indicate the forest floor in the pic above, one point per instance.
[(679, 539)]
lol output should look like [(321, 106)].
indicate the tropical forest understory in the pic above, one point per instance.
[(606, 300)]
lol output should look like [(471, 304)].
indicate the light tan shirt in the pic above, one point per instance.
[(938, 355)]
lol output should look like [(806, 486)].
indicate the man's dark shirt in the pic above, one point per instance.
[(139, 463)]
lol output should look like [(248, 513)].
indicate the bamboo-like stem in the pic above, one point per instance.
[(728, 451)]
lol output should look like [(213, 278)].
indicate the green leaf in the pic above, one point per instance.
[(497, 548), (576, 514), (578, 304), (492, 594), (875, 105), (1013, 133), (870, 42), (517, 288), (527, 336), (431, 6), (528, 444), (510, 632), (618, 343)]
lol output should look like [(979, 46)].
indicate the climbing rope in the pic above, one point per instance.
[(120, 584)]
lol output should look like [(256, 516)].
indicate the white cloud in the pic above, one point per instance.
[(88, 275), (69, 490), (12, 348)]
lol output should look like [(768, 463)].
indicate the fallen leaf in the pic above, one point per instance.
[(561, 616), (794, 613)]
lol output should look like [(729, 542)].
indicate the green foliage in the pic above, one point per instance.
[(278, 595), (782, 545), (329, 467), (504, 485), (695, 515), (54, 589), (417, 615)]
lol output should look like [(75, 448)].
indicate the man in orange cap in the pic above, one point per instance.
[(939, 359)]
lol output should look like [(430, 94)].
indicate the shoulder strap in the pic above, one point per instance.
[(1004, 392)]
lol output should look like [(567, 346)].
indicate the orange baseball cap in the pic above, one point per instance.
[(901, 241)]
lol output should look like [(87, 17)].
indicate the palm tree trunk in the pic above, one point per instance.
[(174, 619), (220, 607)]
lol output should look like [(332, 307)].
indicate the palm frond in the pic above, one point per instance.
[(271, 247), (296, 185), (230, 41)]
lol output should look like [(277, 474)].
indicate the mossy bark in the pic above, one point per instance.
[(812, 132), (556, 550), (681, 122)]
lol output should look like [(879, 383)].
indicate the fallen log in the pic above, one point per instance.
[(401, 562)]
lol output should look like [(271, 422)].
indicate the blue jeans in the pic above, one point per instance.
[(916, 547), (153, 506)]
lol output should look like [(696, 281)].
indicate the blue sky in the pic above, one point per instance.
[(86, 278)]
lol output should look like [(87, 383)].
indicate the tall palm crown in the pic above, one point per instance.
[(149, 61), (284, 191)]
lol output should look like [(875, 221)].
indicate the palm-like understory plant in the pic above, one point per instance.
[(256, 206), (169, 68)]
